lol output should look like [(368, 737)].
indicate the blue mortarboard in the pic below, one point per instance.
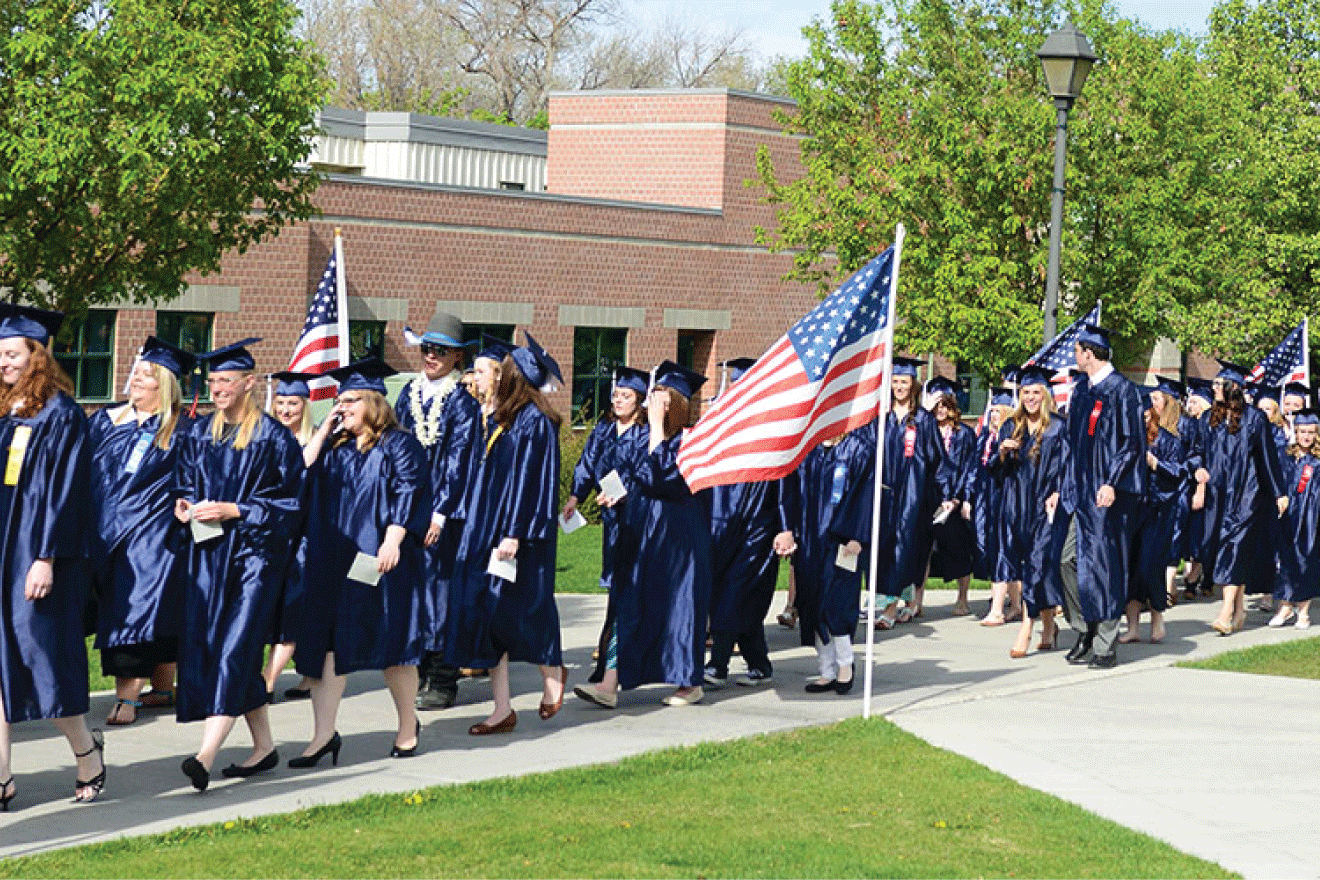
[(234, 356), (1297, 389), (171, 357), (1201, 388), (1146, 400), (737, 366), (290, 384), (535, 363), (632, 379), (1171, 387), (493, 348), (1034, 375), (942, 385), (681, 379), (1010, 374), (1001, 396), (1233, 373), (38, 325), (1095, 335), (1306, 417), (1265, 392), (905, 366), (368, 374)]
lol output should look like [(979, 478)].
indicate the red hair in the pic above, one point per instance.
[(41, 381)]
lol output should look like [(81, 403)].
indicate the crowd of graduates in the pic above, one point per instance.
[(419, 539)]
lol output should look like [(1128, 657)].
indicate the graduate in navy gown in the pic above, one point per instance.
[(1296, 396), (1100, 495), (511, 616), (750, 532), (1299, 552), (447, 422), (46, 516), (913, 454), (1196, 408), (1266, 399), (1244, 495), (954, 542), (241, 472), (138, 547), (1167, 470), (1030, 464), (618, 439), (369, 507), (662, 596), (987, 501)]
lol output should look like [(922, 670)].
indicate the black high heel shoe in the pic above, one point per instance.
[(97, 782), (238, 771), (397, 752), (198, 775), (4, 801), (843, 687), (304, 761)]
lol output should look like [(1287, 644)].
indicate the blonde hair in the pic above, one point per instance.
[(305, 427), (169, 403), (378, 419), (247, 426), (1022, 423), (1171, 413)]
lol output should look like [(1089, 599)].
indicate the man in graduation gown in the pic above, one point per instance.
[(446, 420), (1101, 493)]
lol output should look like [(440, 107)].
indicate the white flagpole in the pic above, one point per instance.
[(885, 394), (341, 299), (1306, 349)]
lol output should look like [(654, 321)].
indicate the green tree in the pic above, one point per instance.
[(142, 140)]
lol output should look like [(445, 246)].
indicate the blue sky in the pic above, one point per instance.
[(773, 26)]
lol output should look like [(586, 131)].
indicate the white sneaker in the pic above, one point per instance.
[(713, 680), (692, 696), (1303, 622), (1281, 617)]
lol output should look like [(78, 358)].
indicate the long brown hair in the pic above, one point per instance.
[(676, 418), (1229, 409), (42, 380), (1152, 426), (514, 392), (1172, 413), (378, 419), (951, 404)]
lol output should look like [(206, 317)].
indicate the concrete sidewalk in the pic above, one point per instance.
[(1219, 765)]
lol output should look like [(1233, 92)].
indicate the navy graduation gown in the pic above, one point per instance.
[(1156, 518), (661, 601), (46, 514), (607, 450), (1107, 438), (233, 582), (515, 496), (1188, 524), (453, 458), (987, 501), (913, 453), (355, 497), (833, 500), (744, 519), (138, 548), (1246, 478), (1029, 476), (954, 541), (1299, 551)]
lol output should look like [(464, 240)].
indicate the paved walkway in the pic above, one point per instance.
[(1220, 765)]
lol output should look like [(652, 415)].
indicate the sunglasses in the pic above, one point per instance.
[(435, 350)]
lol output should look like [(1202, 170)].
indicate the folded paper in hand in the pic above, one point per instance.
[(845, 560), (364, 569), (611, 486), (941, 516), (205, 531), (573, 523), (502, 568)]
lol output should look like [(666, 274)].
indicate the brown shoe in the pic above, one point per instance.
[(506, 725), (549, 710)]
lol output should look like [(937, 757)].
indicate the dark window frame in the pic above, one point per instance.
[(78, 358)]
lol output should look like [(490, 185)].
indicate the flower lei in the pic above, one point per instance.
[(427, 425)]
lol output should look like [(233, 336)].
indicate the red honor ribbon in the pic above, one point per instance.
[(1095, 416), (910, 441), (1306, 478)]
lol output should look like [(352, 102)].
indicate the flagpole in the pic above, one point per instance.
[(885, 395), (1306, 349), (341, 299)]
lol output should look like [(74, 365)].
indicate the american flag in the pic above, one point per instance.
[(1287, 363), (323, 337), (1058, 355), (821, 379)]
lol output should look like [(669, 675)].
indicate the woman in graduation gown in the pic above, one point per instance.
[(954, 542), (138, 547), (240, 472), (1299, 551), (46, 517), (1244, 494), (1189, 529), (369, 496), (512, 520), (1030, 465), (987, 499), (662, 596)]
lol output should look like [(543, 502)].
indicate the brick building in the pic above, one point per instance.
[(627, 232)]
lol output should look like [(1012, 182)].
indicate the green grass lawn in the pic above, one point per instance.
[(1297, 659), (857, 799)]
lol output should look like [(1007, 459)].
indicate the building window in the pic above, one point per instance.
[(190, 331), (973, 398), (85, 349), (366, 339), (514, 185), (596, 352)]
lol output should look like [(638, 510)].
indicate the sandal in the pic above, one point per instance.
[(788, 618), (114, 720), (154, 699), (884, 622), (904, 615), (996, 620), (97, 782)]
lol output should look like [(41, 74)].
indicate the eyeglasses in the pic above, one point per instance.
[(349, 401), (434, 350), (212, 381)]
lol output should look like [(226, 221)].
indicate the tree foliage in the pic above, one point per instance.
[(137, 136)]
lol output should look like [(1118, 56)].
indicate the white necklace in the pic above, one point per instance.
[(427, 425)]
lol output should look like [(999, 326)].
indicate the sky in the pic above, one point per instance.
[(773, 27)]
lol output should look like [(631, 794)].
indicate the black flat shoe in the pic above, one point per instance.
[(397, 752), (193, 769), (843, 687), (821, 687), (1104, 661), (237, 771), (1081, 649), (304, 761), (8, 795), (297, 693)]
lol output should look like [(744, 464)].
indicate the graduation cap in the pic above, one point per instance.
[(157, 351), (1201, 388), (905, 366), (632, 379), (535, 363), (1171, 387), (1297, 389), (941, 385), (737, 366), (1231, 372), (39, 325), (1034, 375), (681, 379), (493, 348), (368, 374), (1010, 374), (1265, 392), (1306, 417), (1095, 335), (291, 384), (1001, 396), (234, 356)]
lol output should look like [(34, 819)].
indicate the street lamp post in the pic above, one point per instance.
[(1067, 59)]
